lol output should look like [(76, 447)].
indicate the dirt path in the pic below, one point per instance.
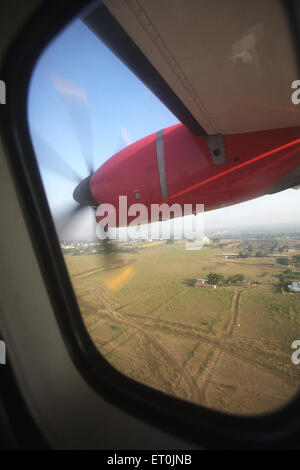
[(219, 353), (223, 347), (233, 323), (169, 355), (87, 273), (197, 391), (120, 264)]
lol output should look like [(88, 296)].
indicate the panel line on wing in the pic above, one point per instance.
[(160, 155)]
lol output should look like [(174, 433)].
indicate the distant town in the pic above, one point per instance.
[(279, 242)]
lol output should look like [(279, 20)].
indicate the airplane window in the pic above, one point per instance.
[(200, 298)]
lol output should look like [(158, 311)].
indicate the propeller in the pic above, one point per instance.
[(51, 160), (76, 104)]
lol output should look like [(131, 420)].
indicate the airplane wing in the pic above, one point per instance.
[(221, 67)]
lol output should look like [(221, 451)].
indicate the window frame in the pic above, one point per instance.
[(214, 429)]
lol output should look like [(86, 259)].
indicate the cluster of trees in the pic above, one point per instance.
[(283, 283), (263, 254), (247, 254), (219, 279), (286, 278), (110, 247), (296, 260), (283, 248), (283, 261), (287, 261), (215, 278), (258, 254)]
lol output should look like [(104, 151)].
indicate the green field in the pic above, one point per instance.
[(228, 348)]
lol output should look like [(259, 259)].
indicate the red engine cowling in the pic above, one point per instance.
[(173, 166)]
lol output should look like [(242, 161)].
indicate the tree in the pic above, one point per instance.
[(236, 277), (244, 255), (239, 277), (283, 261), (296, 259), (215, 278), (283, 283)]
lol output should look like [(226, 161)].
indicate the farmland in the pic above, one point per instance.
[(227, 348)]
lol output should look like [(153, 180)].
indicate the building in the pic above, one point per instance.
[(202, 284), (294, 287), (243, 283), (230, 255), (205, 286), (205, 240)]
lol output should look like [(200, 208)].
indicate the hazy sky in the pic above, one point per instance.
[(83, 99)]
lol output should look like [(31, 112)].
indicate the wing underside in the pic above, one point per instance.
[(221, 67)]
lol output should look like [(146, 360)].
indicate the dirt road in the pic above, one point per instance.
[(169, 355)]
